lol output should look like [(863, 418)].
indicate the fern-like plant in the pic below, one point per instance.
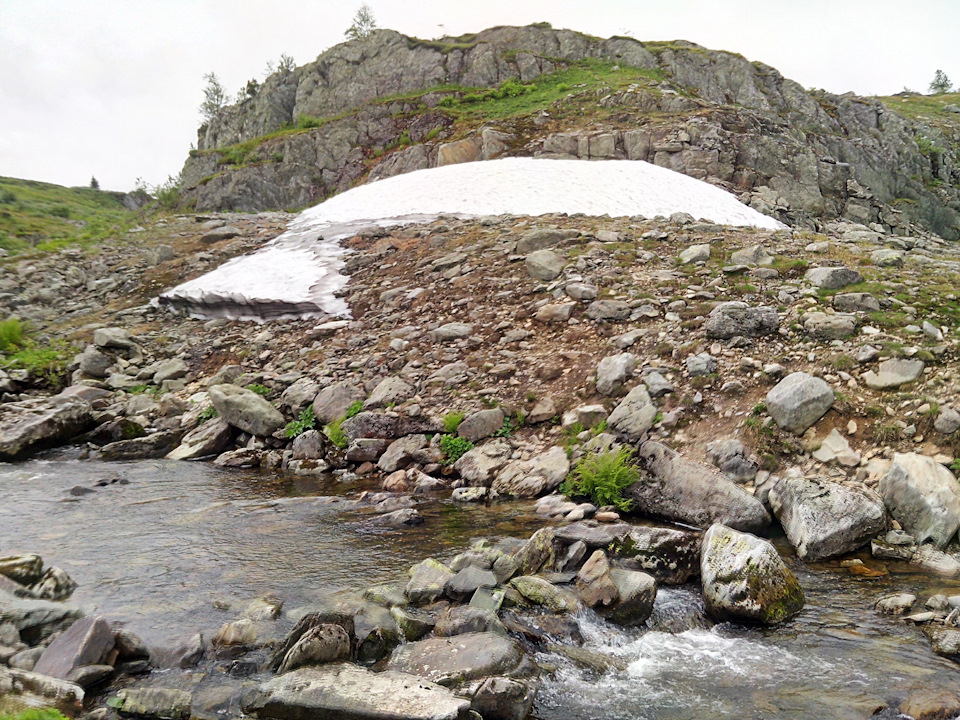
[(307, 421), (602, 477)]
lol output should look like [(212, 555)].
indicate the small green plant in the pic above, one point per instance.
[(11, 335), (451, 421), (261, 390), (453, 448), (307, 421), (35, 714), (955, 466), (336, 435), (602, 477), (759, 409), (207, 414), (353, 410)]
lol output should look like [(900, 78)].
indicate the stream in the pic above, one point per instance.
[(172, 548)]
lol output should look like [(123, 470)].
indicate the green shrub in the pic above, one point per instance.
[(602, 477), (336, 435), (261, 390), (453, 448), (11, 335), (307, 421), (451, 421), (35, 714)]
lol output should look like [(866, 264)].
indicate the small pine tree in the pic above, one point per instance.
[(94, 184), (214, 97), (286, 64), (941, 83), (363, 24)]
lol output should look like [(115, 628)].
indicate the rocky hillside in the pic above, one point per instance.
[(390, 104)]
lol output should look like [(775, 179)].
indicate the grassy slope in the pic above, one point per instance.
[(48, 217), (928, 108)]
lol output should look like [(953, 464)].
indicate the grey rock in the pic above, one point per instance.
[(300, 394), (634, 416), (829, 327), (401, 452), (701, 364), (893, 373), (637, 593), (94, 363), (324, 643), (464, 619), (923, 496), (592, 534), (543, 593), (730, 456), (245, 410), (744, 578), (170, 370), (24, 569), (945, 641), (153, 446), (830, 278), (113, 339), (36, 690), (753, 255), (798, 401), (87, 642), (462, 585), (535, 554), (390, 391), (348, 692), (482, 424), (531, 478), (210, 438), (309, 445), (608, 310), (887, 257), (455, 660), (28, 425), (503, 698), (676, 489), (452, 331), (670, 555), (856, 302), (581, 291), (657, 384), (947, 422), (221, 233), (731, 319), (544, 265), (694, 254), (895, 604), (479, 466), (363, 450), (554, 313), (36, 620), (543, 238), (823, 519), (613, 371), (427, 581), (334, 400), (595, 587)]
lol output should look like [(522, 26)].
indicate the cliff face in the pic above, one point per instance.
[(390, 104)]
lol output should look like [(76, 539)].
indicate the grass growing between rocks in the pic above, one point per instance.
[(453, 448), (34, 714), (45, 217), (602, 478), (306, 421), (45, 363)]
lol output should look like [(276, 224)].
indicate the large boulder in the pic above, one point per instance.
[(30, 425), (829, 278), (36, 620), (348, 692), (798, 401), (744, 578), (824, 519), (89, 641), (210, 438), (544, 265), (536, 476), (670, 555), (676, 489), (731, 319), (634, 416), (451, 661), (245, 410), (923, 496), (334, 400), (636, 593)]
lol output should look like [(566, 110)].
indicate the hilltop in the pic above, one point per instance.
[(389, 104)]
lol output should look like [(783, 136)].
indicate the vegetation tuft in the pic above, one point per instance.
[(602, 477), (306, 421), (453, 448)]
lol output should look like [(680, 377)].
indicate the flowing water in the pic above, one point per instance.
[(163, 546)]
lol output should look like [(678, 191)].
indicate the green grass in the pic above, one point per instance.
[(11, 335), (925, 107), (602, 477), (45, 217), (261, 390), (451, 421), (453, 448), (336, 435), (34, 714), (45, 362), (353, 410), (306, 421)]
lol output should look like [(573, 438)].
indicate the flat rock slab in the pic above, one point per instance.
[(32, 424), (454, 660), (87, 642), (346, 692), (893, 373)]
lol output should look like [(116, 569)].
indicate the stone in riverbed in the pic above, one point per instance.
[(348, 692), (23, 569), (676, 489), (427, 581), (670, 555), (153, 446), (159, 703), (245, 410), (320, 644), (798, 401), (545, 594), (824, 519), (36, 620), (481, 424), (210, 438), (637, 593), (502, 698), (87, 642), (923, 496), (533, 477), (28, 425), (36, 690), (744, 578), (451, 661), (462, 585), (595, 587)]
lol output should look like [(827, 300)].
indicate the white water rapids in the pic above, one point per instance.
[(297, 273)]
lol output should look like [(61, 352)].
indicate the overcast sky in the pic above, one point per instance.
[(110, 88)]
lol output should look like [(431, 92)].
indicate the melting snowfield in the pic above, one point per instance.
[(297, 273)]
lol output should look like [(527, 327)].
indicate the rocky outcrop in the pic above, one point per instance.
[(32, 424)]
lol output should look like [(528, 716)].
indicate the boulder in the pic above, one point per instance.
[(482, 424), (887, 257), (824, 519), (427, 581), (464, 619), (29, 425), (89, 641), (535, 553), (634, 416), (694, 254), (531, 478), (451, 331), (923, 496), (608, 310), (730, 456), (829, 327), (402, 452), (855, 302), (753, 255), (613, 372), (676, 489), (479, 466), (451, 661), (36, 620), (744, 578), (170, 370), (798, 401), (670, 555), (245, 410), (462, 585), (503, 698), (155, 702), (545, 594), (23, 569), (544, 265), (637, 592), (836, 448), (34, 690), (324, 643), (732, 319), (158, 445), (947, 422), (334, 400), (543, 238), (595, 587), (830, 278), (701, 364), (893, 373), (348, 692), (300, 394), (390, 391)]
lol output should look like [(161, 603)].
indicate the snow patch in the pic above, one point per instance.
[(297, 273)]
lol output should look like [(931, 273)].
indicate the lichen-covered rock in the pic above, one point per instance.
[(636, 592), (543, 593), (730, 319), (427, 581), (451, 661), (744, 578), (824, 519)]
